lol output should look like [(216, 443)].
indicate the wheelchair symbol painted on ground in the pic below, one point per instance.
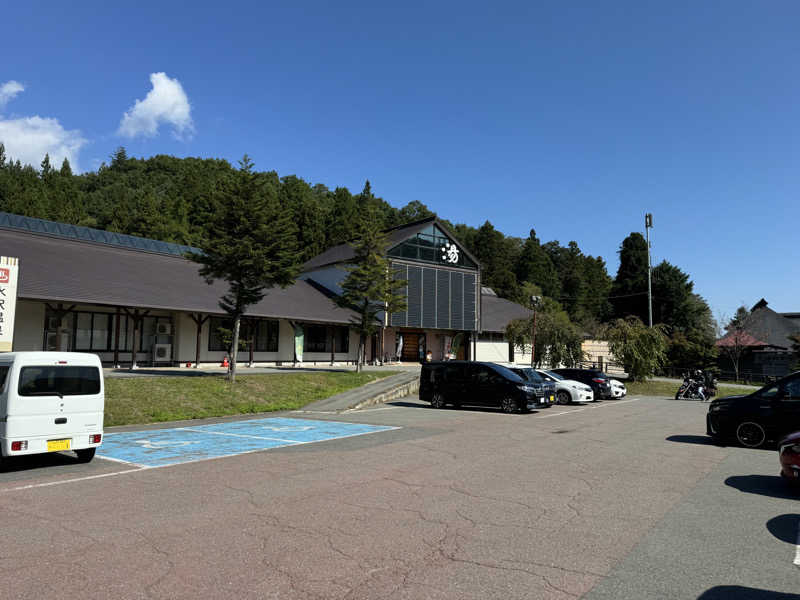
[(151, 445)]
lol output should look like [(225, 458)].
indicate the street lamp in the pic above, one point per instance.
[(534, 303)]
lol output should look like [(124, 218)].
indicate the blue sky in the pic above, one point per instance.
[(571, 118)]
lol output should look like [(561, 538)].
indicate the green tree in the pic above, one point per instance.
[(629, 291), (251, 245), (535, 266), (641, 349), (558, 340), (369, 288)]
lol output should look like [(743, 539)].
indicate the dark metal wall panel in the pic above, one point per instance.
[(399, 319), (429, 297), (469, 301), (442, 299), (414, 297), (457, 300)]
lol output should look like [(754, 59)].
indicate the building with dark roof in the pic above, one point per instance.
[(84, 289), (766, 347)]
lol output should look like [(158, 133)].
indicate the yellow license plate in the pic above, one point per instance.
[(551, 398), (56, 445)]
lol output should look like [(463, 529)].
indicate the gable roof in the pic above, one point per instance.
[(76, 271), (394, 236), (766, 327), (497, 313)]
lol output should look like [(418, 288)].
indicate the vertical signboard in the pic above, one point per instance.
[(9, 275)]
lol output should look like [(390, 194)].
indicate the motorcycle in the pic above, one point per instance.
[(691, 390)]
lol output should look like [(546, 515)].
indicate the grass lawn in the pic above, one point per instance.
[(668, 389), (137, 400)]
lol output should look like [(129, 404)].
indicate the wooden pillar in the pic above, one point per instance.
[(199, 319), (251, 328), (60, 312), (116, 340), (137, 321)]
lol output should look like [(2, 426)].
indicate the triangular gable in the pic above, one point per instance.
[(432, 244)]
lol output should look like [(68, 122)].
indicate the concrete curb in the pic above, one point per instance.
[(399, 391), (383, 390)]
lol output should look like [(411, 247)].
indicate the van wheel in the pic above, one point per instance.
[(85, 455), (750, 434), (562, 397), (508, 404), (437, 401)]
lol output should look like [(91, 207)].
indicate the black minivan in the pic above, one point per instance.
[(462, 383)]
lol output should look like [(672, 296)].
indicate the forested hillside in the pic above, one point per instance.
[(169, 198)]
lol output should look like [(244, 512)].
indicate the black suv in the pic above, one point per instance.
[(752, 419), (597, 380), (461, 383)]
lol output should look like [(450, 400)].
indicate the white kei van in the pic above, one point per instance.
[(49, 402)]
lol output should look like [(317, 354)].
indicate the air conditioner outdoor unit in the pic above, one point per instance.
[(163, 328), (162, 352)]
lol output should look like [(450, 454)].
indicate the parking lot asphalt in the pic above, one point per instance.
[(619, 499)]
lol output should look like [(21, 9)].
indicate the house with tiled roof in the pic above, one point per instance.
[(765, 344)]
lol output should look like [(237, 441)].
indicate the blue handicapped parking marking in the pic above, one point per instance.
[(162, 447)]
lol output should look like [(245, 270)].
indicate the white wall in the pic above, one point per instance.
[(28, 326)]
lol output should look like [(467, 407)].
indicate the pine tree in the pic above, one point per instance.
[(629, 291), (251, 244), (46, 169), (369, 288), (66, 169)]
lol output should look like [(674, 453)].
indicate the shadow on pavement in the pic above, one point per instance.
[(785, 527), (477, 409), (703, 440), (766, 485), (37, 461), (737, 592)]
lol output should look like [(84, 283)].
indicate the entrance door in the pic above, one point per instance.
[(413, 347)]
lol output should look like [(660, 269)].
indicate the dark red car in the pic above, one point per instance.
[(789, 453)]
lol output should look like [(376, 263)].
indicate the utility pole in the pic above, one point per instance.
[(648, 224), (534, 304)]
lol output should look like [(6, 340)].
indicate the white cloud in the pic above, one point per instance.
[(28, 139), (165, 103), (8, 90)]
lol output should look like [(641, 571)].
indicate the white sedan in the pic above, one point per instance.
[(568, 390), (618, 389)]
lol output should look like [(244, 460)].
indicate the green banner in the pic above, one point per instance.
[(298, 343)]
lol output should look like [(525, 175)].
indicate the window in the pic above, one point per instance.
[(219, 340), (59, 381), (3, 375), (92, 332), (266, 336), (432, 245), (792, 390), (264, 333), (317, 338)]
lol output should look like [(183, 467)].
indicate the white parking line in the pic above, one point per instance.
[(797, 549), (62, 481), (569, 412)]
